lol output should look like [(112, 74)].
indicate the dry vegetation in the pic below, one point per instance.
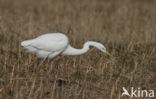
[(126, 27)]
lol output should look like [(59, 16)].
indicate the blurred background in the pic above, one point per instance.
[(126, 27)]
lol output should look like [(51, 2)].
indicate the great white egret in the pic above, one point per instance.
[(53, 44)]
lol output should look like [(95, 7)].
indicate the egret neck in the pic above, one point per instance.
[(74, 51)]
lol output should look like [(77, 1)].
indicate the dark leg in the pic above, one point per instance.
[(39, 66), (52, 62), (51, 72)]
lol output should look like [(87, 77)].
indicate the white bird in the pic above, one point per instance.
[(53, 44)]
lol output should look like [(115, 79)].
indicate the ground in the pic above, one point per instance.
[(127, 28)]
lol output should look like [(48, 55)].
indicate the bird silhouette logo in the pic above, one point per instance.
[(125, 92)]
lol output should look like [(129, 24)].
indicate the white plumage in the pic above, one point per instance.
[(54, 44)]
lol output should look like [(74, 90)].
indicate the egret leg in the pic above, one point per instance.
[(54, 79), (51, 70), (39, 66), (51, 67)]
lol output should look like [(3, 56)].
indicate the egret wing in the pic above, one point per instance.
[(50, 43)]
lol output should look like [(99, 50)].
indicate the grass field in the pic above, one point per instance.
[(127, 28)]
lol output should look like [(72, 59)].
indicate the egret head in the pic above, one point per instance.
[(97, 45), (105, 51), (102, 48)]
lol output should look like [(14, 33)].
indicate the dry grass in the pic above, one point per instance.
[(126, 27)]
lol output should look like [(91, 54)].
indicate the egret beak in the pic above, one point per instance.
[(108, 54)]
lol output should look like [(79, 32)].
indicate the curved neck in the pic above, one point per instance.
[(73, 51)]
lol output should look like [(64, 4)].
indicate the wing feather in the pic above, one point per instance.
[(50, 42)]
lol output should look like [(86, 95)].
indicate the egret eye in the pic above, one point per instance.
[(103, 48)]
